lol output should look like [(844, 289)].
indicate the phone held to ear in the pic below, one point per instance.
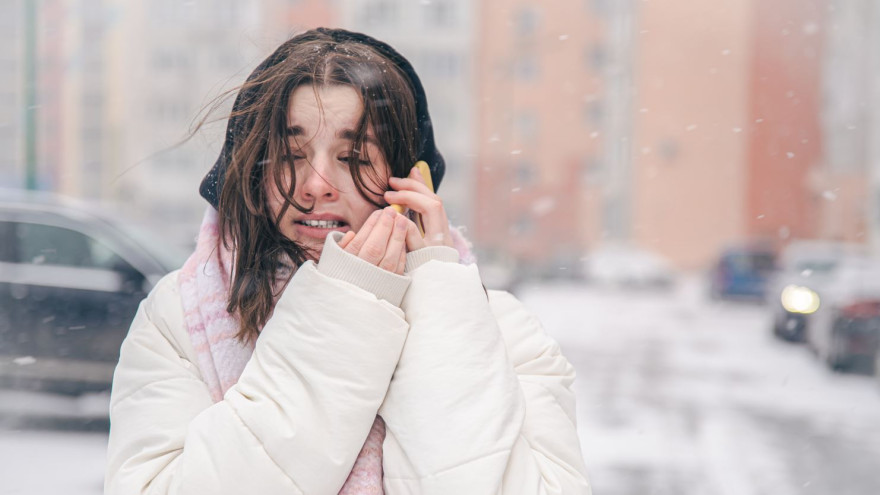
[(426, 174)]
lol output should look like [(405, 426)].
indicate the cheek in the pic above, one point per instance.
[(274, 197)]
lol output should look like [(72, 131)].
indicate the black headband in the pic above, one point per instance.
[(212, 184)]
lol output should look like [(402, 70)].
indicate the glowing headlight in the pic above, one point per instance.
[(797, 299)]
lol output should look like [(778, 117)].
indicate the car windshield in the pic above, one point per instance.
[(816, 267), (752, 262), (170, 256)]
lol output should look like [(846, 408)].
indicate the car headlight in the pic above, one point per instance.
[(797, 299)]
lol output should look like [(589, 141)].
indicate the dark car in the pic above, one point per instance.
[(742, 273), (845, 330), (71, 278)]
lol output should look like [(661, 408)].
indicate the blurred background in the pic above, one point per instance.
[(687, 193)]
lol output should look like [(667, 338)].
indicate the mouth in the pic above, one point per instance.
[(322, 224), (318, 229)]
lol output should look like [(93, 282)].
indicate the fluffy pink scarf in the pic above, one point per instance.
[(204, 288)]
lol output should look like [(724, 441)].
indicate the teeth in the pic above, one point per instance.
[(322, 224)]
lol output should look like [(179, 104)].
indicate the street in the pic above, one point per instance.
[(679, 395), (676, 395)]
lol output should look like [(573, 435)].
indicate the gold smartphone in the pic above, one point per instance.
[(426, 174)]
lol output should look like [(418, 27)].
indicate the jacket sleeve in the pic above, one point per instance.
[(294, 422), (481, 401)]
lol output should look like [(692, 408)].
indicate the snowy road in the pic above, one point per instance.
[(675, 396), (680, 396)]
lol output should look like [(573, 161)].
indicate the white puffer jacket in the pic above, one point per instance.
[(477, 399)]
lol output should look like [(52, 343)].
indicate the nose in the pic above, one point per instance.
[(316, 180)]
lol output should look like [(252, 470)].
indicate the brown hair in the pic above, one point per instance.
[(246, 222)]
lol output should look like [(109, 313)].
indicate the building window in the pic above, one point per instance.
[(92, 99), (596, 57), (165, 59), (169, 110), (524, 225), (524, 173), (525, 125), (592, 171), (526, 22), (441, 64), (594, 112), (600, 7), (440, 13), (380, 13), (525, 67)]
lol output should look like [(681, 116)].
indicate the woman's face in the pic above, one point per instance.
[(321, 129)]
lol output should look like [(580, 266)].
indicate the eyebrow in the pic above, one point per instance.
[(348, 134)]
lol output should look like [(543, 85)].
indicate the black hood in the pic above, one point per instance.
[(212, 184)]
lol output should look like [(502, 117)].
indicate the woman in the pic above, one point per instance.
[(316, 342)]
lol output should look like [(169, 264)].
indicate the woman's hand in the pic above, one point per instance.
[(384, 240), (412, 193)]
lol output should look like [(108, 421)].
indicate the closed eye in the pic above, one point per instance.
[(355, 159), (293, 158)]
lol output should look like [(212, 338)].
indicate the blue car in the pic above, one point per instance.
[(742, 273)]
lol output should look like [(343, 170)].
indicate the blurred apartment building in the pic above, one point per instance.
[(692, 125), (706, 125), (170, 60), (120, 84), (873, 125), (438, 37), (545, 165), (677, 126), (849, 183), (72, 132), (766, 109), (12, 81), (789, 188)]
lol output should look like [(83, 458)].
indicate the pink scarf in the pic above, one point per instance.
[(204, 290)]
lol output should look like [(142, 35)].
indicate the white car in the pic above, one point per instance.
[(71, 279), (627, 266), (805, 267)]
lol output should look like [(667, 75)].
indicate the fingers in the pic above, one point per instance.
[(354, 246), (396, 245), (413, 193), (430, 208), (384, 240), (412, 183), (376, 244)]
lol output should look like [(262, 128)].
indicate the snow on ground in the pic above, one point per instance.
[(52, 462), (680, 395)]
